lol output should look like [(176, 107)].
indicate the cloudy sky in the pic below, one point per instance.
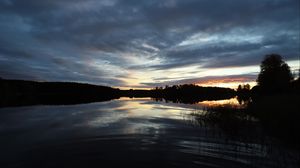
[(145, 43)]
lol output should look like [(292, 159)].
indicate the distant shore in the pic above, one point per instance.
[(22, 92)]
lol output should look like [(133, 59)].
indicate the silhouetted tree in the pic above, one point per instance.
[(274, 73), (239, 88), (243, 88), (191, 93), (247, 87), (243, 93)]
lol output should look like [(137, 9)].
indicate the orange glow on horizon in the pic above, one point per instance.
[(226, 82), (134, 88), (210, 83), (217, 81), (232, 85)]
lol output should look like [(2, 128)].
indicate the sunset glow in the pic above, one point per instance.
[(123, 45), (149, 83), (220, 77)]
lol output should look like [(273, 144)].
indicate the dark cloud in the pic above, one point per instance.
[(101, 41)]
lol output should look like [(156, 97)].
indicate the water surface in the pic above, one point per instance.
[(133, 132)]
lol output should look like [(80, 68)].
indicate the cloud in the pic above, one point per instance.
[(206, 80), (98, 41)]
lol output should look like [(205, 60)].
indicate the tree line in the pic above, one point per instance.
[(275, 76)]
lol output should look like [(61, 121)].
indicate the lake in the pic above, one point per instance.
[(139, 132)]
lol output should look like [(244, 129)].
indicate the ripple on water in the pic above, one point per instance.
[(133, 133)]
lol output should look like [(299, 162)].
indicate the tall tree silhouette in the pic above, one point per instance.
[(275, 73)]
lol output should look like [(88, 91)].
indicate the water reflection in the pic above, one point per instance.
[(133, 132), (213, 103)]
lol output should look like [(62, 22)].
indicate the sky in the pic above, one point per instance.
[(146, 43)]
